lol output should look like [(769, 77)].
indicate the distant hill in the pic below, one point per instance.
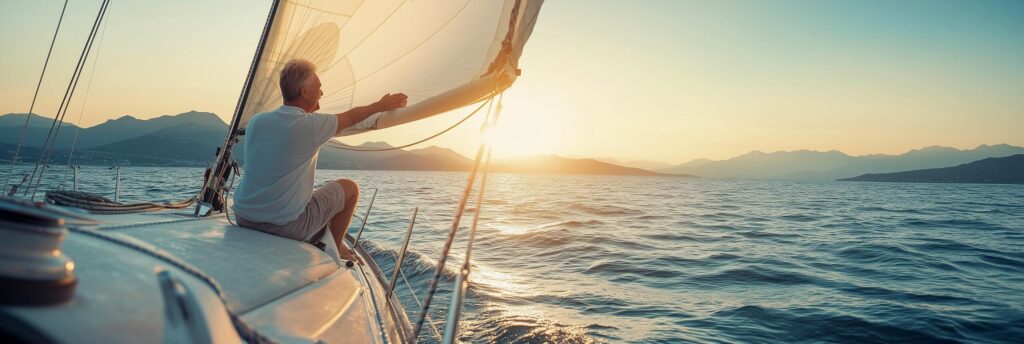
[(18, 120), (641, 164), (11, 126), (183, 143), (831, 165), (558, 165), (1005, 170), (122, 128), (191, 138), (127, 127)]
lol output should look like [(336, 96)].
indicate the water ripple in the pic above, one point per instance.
[(569, 259)]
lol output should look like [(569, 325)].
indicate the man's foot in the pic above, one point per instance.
[(348, 254)]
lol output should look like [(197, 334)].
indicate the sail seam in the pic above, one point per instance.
[(405, 54), (311, 8), (367, 36)]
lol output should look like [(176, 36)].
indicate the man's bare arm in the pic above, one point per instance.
[(357, 114)]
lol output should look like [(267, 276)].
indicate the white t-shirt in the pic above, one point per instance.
[(281, 148)]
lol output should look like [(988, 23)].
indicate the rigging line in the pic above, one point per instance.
[(85, 100), (24, 129), (432, 289), (58, 121), (50, 137), (421, 43), (459, 293), (338, 145), (216, 170)]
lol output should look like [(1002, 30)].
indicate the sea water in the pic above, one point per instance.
[(666, 259)]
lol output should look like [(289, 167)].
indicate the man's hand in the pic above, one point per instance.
[(357, 114), (392, 101)]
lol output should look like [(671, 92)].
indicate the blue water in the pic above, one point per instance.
[(657, 259)]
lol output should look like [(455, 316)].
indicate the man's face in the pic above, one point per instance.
[(312, 92)]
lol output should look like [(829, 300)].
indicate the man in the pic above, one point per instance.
[(276, 193)]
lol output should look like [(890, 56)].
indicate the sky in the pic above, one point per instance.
[(665, 81)]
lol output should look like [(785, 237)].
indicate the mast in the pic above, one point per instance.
[(224, 162)]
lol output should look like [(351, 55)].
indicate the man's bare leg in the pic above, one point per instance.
[(340, 222)]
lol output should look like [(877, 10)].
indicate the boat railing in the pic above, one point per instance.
[(401, 255), (73, 170), (365, 217), (392, 283), (117, 182)]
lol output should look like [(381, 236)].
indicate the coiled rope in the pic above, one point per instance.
[(97, 204)]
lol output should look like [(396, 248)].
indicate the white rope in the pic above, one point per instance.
[(339, 145)]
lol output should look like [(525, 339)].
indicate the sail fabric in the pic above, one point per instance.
[(443, 54)]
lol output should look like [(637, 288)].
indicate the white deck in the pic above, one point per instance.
[(287, 290)]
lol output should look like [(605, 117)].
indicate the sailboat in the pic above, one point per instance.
[(80, 268)]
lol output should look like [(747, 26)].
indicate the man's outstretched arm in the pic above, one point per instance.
[(357, 114)]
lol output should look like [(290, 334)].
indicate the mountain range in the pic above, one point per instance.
[(1007, 170), (831, 165), (191, 138), (111, 131)]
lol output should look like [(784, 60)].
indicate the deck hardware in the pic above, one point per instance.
[(75, 168), (184, 321), (117, 183)]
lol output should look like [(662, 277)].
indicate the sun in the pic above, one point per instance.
[(530, 123)]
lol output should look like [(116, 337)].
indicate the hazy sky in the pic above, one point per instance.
[(632, 80)]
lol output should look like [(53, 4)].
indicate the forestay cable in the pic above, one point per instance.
[(51, 137), (442, 260), (462, 279), (85, 99), (24, 128)]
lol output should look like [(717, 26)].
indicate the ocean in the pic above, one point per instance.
[(578, 259)]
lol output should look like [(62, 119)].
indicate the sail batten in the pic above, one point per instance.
[(439, 53)]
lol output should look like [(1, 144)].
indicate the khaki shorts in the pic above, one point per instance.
[(327, 201)]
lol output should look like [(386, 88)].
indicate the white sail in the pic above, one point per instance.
[(442, 54)]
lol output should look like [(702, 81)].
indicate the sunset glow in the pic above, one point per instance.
[(695, 80)]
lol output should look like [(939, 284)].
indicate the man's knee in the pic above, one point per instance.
[(350, 188)]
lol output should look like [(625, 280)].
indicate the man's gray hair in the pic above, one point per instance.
[(293, 76)]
